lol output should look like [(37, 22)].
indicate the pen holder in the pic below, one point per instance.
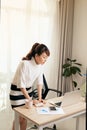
[(28, 103)]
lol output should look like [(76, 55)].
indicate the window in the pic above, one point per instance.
[(21, 26)]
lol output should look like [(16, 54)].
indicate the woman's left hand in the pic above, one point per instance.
[(42, 100)]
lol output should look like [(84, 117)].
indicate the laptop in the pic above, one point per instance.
[(71, 98)]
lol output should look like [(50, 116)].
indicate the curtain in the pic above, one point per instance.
[(24, 22), (66, 11)]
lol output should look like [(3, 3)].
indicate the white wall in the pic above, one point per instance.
[(80, 32), (80, 53)]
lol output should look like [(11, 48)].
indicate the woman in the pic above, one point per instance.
[(29, 70)]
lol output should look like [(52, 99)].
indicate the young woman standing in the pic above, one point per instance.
[(29, 69)]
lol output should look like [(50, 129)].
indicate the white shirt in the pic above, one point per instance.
[(27, 72)]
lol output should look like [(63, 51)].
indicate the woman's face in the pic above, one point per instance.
[(41, 59)]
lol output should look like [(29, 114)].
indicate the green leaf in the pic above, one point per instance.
[(74, 83), (73, 60), (77, 69), (67, 72), (78, 64), (68, 59), (66, 65), (73, 70)]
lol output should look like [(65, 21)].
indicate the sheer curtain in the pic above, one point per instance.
[(24, 22)]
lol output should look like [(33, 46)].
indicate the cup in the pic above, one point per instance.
[(28, 103)]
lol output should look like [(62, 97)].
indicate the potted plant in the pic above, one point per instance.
[(71, 68)]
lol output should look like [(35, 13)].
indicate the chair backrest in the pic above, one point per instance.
[(46, 89)]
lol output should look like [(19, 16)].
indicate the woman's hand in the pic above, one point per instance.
[(35, 101), (42, 100)]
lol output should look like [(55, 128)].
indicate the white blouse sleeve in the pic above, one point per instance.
[(40, 79), (21, 71)]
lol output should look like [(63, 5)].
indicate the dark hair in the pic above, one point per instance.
[(37, 48)]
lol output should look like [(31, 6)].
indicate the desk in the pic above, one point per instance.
[(45, 120)]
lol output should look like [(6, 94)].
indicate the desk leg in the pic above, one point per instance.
[(16, 125), (77, 123)]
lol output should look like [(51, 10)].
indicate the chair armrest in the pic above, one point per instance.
[(54, 90)]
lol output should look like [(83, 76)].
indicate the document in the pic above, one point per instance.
[(46, 110)]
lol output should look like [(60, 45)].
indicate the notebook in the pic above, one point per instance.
[(71, 98)]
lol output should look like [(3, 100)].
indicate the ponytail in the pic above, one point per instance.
[(31, 53), (37, 48)]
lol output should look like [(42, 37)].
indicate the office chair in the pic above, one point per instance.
[(45, 92)]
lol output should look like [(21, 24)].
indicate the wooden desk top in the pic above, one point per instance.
[(32, 115)]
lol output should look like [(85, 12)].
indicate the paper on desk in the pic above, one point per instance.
[(45, 110)]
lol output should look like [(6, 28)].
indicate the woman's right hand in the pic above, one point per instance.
[(35, 101)]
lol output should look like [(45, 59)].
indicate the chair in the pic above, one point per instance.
[(45, 92), (46, 89)]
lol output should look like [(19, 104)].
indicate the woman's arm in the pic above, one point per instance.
[(25, 93), (39, 87), (40, 94), (27, 96)]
